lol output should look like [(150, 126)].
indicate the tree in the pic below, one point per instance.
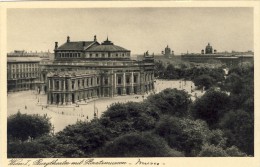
[(204, 81), (170, 101), (138, 145), (212, 151), (211, 107), (42, 147), (233, 83), (129, 117), (238, 126), (22, 126), (159, 69), (170, 72), (82, 138), (216, 151), (183, 134)]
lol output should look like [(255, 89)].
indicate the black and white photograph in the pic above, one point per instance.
[(121, 82)]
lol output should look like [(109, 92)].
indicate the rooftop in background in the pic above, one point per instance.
[(22, 55)]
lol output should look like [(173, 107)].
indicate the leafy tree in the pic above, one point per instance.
[(170, 101), (22, 126), (159, 69), (183, 134), (138, 145), (170, 72), (212, 151), (204, 81), (239, 128), (233, 83), (129, 117), (211, 107), (217, 138), (216, 151), (82, 138), (42, 147), (235, 152)]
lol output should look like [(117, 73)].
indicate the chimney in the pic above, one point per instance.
[(56, 45), (68, 38), (84, 43), (202, 51), (215, 51), (95, 38)]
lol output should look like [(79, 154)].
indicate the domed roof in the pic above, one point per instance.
[(208, 46)]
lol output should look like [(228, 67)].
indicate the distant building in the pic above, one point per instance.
[(83, 70), (230, 59), (167, 52), (22, 70)]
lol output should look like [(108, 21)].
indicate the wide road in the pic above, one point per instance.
[(31, 103)]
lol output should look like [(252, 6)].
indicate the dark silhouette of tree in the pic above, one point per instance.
[(23, 126), (238, 126), (183, 134), (138, 145), (211, 107), (170, 101)]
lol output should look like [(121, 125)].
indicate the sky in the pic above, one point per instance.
[(136, 29)]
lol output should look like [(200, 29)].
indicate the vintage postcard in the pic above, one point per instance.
[(130, 83)]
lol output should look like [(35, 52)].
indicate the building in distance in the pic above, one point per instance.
[(230, 59)]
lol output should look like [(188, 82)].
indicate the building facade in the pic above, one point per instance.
[(83, 70), (23, 70), (229, 59)]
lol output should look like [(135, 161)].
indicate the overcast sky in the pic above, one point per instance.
[(136, 29)]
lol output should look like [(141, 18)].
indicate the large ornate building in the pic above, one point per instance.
[(207, 55), (83, 70)]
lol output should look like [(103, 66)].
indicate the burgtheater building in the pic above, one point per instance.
[(83, 70)]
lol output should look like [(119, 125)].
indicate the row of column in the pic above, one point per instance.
[(71, 84), (69, 98)]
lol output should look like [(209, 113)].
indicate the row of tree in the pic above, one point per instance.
[(167, 124), (201, 76)]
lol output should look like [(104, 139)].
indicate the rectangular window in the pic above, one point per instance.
[(106, 81), (119, 81), (128, 79), (66, 85), (96, 55), (135, 79), (72, 84)]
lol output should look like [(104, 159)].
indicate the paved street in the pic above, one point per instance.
[(31, 103)]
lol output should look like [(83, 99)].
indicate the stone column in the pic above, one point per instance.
[(60, 99), (59, 84), (111, 86), (64, 99), (49, 84), (53, 84), (115, 83), (64, 84), (124, 90), (69, 84), (69, 99), (142, 83), (54, 99), (132, 83)]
